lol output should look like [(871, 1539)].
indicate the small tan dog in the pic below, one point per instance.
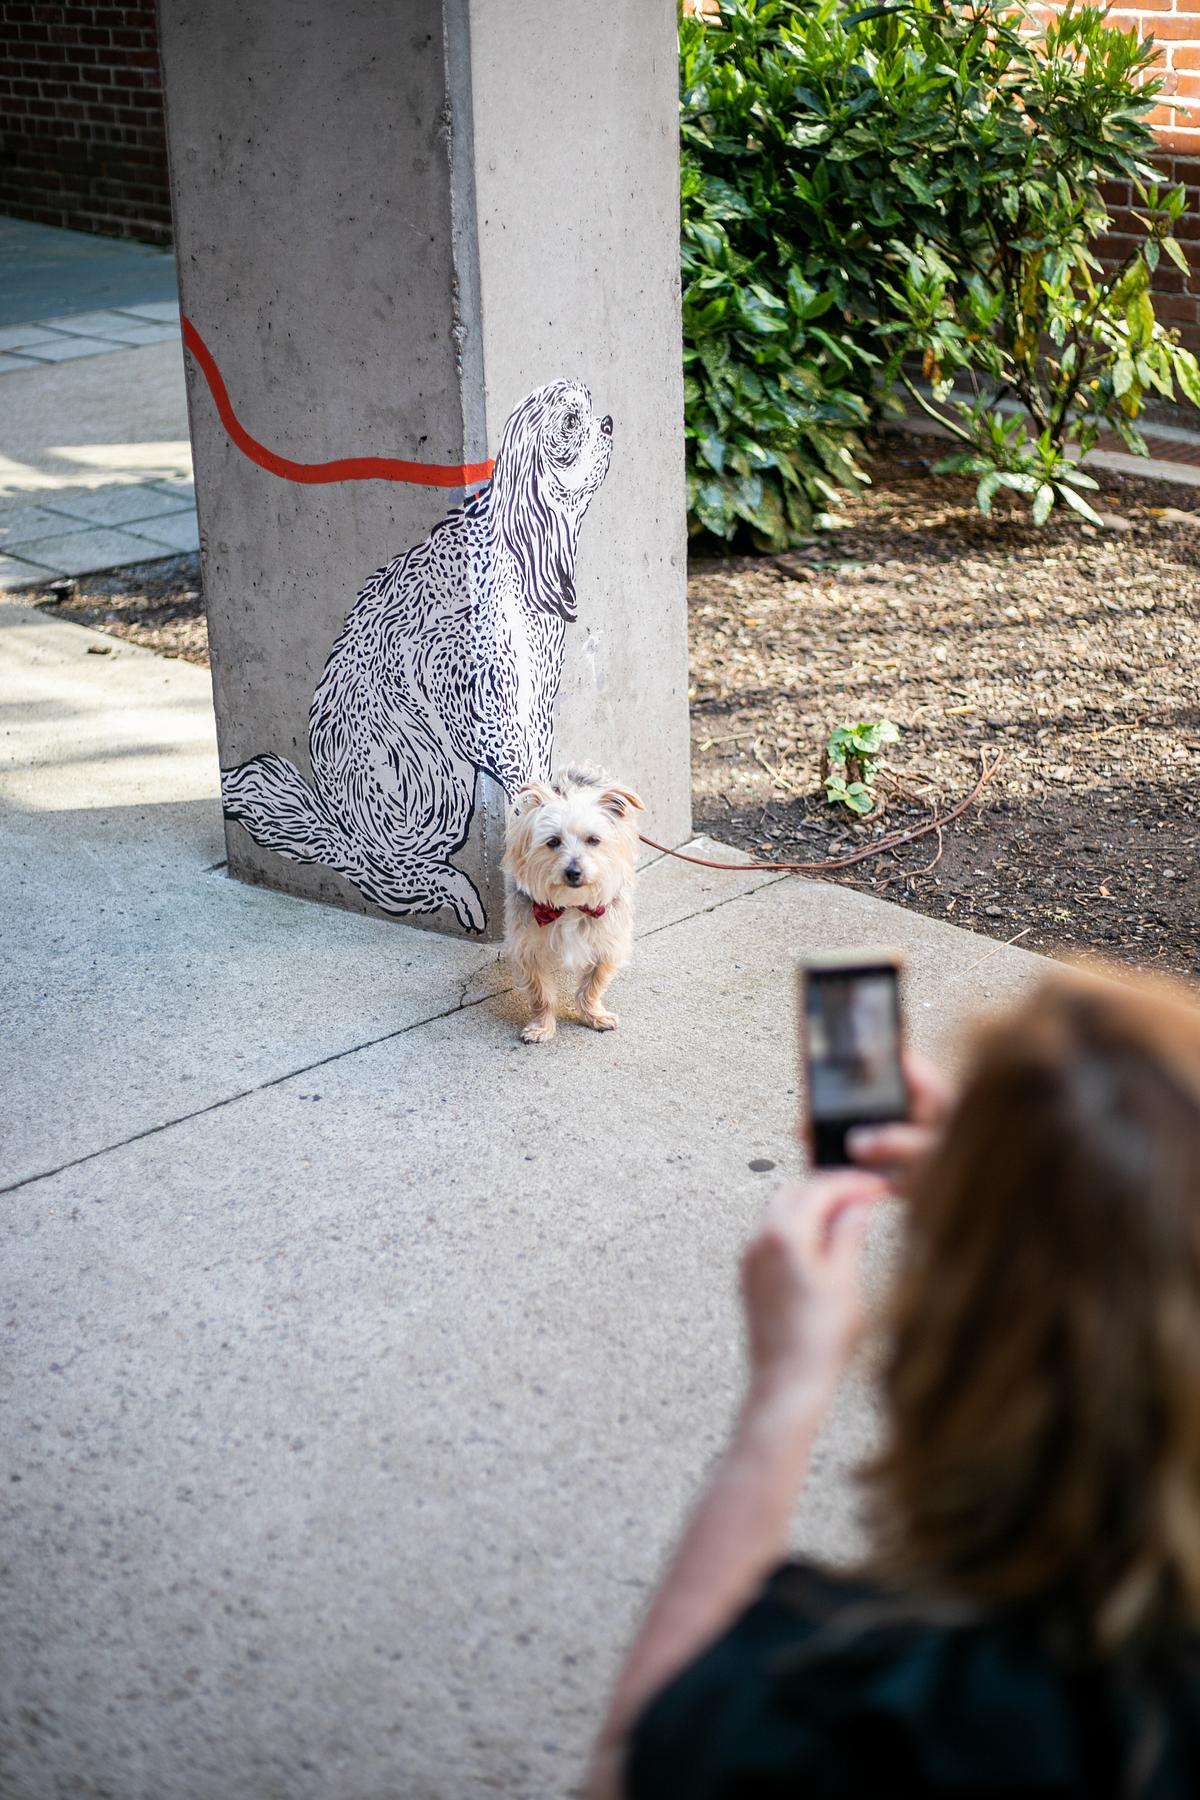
[(570, 858)]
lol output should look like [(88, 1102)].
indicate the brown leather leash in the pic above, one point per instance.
[(937, 823)]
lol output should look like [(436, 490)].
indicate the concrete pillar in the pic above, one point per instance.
[(394, 224)]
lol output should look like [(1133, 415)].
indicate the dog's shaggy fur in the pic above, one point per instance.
[(571, 850), (449, 663)]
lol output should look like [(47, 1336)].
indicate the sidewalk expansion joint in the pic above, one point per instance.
[(463, 1004), (715, 906), (259, 1087)]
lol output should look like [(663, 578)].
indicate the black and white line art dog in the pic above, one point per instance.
[(449, 663)]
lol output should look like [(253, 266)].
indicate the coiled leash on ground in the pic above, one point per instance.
[(989, 766)]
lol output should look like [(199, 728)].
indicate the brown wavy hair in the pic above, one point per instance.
[(1043, 1384)]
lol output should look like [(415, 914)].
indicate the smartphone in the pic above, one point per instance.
[(851, 1040)]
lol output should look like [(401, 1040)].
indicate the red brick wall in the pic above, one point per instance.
[(81, 118), (1175, 25)]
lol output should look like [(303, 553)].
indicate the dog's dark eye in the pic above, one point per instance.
[(593, 841), (554, 843), (571, 422)]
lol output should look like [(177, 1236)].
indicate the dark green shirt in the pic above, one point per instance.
[(828, 1687)]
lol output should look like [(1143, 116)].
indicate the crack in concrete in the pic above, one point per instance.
[(261, 1087), (703, 911), (466, 984)]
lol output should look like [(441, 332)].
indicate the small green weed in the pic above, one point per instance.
[(852, 762)]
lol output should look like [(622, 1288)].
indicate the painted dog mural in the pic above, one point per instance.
[(448, 665)]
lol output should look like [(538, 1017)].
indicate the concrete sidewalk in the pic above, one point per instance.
[(362, 1360), (95, 462), (46, 271)]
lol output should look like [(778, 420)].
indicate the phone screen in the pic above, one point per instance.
[(852, 1031)]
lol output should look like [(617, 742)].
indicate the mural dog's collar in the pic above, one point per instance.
[(546, 915)]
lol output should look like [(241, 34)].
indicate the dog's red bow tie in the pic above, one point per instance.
[(546, 915)]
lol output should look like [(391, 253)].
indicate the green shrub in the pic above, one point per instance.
[(773, 388), (919, 179)]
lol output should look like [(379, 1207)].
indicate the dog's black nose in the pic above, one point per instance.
[(606, 424), (572, 875)]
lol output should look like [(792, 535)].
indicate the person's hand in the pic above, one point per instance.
[(897, 1151), (801, 1289)]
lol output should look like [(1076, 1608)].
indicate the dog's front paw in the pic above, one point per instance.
[(463, 897), (538, 1031), (601, 1021)]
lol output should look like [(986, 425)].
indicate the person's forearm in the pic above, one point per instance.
[(738, 1531)]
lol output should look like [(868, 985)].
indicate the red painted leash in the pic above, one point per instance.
[(346, 468), (831, 863)]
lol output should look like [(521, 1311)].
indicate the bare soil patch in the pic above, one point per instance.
[(155, 604), (1076, 651), (1073, 649)]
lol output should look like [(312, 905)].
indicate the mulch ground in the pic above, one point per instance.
[(1073, 649), (157, 605)]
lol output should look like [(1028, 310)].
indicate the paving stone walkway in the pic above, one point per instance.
[(108, 527), (86, 334), (46, 272), (95, 463)]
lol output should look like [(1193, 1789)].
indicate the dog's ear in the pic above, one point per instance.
[(618, 800), (533, 795), (534, 518)]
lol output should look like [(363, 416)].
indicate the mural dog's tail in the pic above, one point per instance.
[(270, 797)]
